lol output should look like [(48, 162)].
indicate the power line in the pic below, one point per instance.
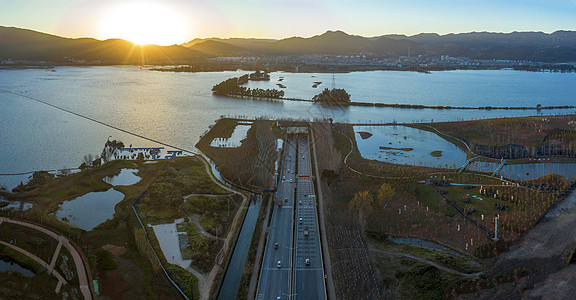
[(100, 122)]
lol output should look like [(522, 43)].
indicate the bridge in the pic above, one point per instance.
[(502, 163), (467, 163)]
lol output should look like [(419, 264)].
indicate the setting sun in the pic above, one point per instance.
[(145, 23)]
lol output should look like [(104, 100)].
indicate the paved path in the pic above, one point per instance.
[(82, 268), (61, 279)]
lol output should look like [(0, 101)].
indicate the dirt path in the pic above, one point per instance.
[(206, 287), (82, 268), (441, 267), (195, 218)]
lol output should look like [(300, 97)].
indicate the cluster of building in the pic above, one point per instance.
[(425, 62)]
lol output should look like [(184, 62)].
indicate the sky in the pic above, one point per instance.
[(284, 18)]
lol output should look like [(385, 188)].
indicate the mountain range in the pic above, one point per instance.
[(556, 47), (559, 46), (28, 45)]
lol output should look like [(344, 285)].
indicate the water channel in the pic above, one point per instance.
[(231, 281)]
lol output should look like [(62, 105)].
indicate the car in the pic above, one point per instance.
[(306, 231), (290, 179), (275, 245), (283, 177), (279, 203), (307, 262), (300, 220), (285, 199), (279, 265)]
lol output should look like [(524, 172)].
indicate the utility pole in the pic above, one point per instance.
[(496, 228)]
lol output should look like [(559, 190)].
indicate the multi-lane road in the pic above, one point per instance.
[(276, 281), (308, 278), (293, 279)]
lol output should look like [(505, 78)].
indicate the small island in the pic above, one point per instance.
[(233, 87), (333, 96)]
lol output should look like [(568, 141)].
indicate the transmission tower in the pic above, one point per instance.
[(333, 82)]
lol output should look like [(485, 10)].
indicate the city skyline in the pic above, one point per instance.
[(178, 21)]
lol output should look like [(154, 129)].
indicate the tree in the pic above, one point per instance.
[(363, 202), (333, 96), (88, 158), (385, 192)]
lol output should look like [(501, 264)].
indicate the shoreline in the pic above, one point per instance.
[(411, 106)]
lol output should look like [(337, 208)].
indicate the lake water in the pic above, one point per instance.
[(126, 177), (177, 108), (453, 88), (90, 210), (408, 146)]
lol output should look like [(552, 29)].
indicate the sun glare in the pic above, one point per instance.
[(145, 23)]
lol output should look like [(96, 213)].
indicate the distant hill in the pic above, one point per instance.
[(559, 46), (23, 44)]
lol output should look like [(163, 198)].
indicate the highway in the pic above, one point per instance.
[(308, 279), (276, 282), (294, 279)]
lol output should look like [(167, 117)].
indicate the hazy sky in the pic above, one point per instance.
[(285, 18)]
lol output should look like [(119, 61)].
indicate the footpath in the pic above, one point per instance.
[(82, 268)]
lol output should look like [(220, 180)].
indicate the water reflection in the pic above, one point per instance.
[(90, 210), (126, 177), (407, 146)]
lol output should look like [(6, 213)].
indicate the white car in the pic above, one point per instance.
[(290, 179), (300, 220), (279, 265)]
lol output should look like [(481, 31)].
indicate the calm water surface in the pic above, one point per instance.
[(408, 146), (90, 210), (177, 108), (126, 177)]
